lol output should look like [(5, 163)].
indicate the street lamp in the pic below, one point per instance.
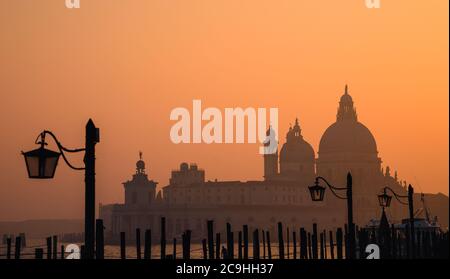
[(41, 164), (317, 194), (385, 201)]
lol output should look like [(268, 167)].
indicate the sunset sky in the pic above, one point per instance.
[(127, 64)]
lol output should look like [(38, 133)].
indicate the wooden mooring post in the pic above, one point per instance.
[(217, 245), (138, 243), (245, 232), (287, 241), (331, 245), (63, 252), (256, 244), (210, 227), (148, 245), (240, 245), (264, 244), (163, 238), (339, 243), (294, 242), (230, 242), (8, 248), (314, 242), (99, 239), (123, 254), (322, 244), (18, 247), (280, 241), (49, 248), (303, 244), (269, 250), (174, 252), (205, 249), (187, 245), (55, 247)]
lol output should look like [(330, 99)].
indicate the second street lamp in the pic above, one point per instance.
[(41, 164), (385, 201), (317, 194)]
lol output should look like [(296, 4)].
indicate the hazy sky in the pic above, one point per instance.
[(127, 64)]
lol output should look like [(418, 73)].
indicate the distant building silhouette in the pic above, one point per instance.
[(189, 200)]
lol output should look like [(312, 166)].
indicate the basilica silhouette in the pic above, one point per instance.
[(282, 196)]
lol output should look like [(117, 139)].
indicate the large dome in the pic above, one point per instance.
[(347, 136)]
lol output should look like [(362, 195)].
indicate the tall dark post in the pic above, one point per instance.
[(245, 232), (240, 245), (217, 245), (92, 137), (287, 241), (63, 256), (205, 250), (49, 248), (123, 253), (280, 241), (264, 244), (314, 242), (148, 245), (230, 242), (18, 246), (174, 248), (411, 218), (339, 243), (163, 238), (138, 243), (8, 248), (269, 250), (294, 239), (55, 247), (256, 244), (351, 225), (331, 245), (210, 225), (99, 243)]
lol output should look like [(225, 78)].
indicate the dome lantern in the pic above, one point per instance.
[(346, 111), (140, 165)]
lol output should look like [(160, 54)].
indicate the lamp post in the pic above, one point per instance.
[(41, 164), (317, 194), (385, 201)]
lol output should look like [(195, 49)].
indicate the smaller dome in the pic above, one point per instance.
[(296, 149), (300, 151)]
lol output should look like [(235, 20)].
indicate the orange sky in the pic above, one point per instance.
[(127, 64)]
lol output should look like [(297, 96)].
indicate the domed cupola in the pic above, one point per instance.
[(347, 135), (296, 155), (347, 145)]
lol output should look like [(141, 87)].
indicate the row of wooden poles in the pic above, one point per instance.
[(315, 245)]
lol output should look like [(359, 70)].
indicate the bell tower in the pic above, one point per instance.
[(140, 191)]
